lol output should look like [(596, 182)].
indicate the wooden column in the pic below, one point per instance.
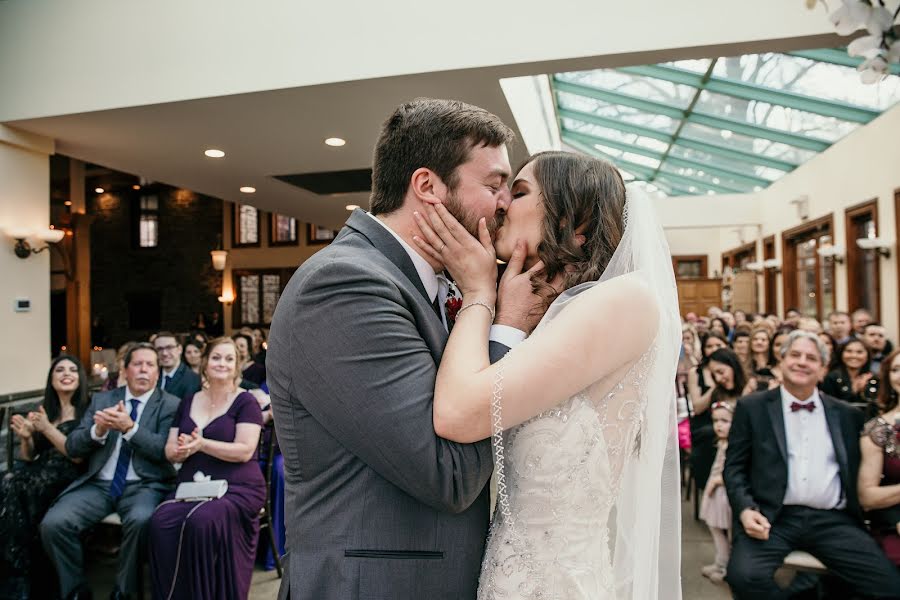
[(77, 252)]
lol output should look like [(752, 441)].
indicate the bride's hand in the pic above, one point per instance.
[(471, 262)]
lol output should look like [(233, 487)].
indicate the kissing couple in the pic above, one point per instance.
[(393, 413)]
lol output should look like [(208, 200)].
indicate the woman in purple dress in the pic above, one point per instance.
[(205, 549)]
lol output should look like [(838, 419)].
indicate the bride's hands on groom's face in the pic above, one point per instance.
[(471, 262)]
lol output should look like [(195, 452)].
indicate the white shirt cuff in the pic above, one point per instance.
[(131, 432), (97, 438), (506, 335)]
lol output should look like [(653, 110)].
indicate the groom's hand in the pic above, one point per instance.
[(517, 304)]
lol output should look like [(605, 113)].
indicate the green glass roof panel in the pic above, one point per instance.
[(718, 125)]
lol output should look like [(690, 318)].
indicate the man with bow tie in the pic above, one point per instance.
[(790, 472)]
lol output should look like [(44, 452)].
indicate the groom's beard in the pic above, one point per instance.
[(469, 220)]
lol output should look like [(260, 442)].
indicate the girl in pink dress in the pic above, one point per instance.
[(714, 508)]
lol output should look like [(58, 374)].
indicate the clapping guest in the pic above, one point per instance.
[(26, 493), (879, 470), (127, 473), (216, 432), (193, 353), (852, 380)]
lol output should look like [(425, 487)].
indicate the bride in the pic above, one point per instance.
[(581, 414)]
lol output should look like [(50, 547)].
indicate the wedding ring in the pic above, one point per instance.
[(442, 248)]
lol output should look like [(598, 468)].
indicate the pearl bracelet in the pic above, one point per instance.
[(477, 303)]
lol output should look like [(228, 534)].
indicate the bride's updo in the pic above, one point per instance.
[(580, 194)]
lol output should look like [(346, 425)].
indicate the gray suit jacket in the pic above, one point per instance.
[(148, 444), (376, 505)]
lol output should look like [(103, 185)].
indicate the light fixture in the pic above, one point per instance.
[(772, 263), (214, 153), (725, 133), (352, 206), (68, 203), (227, 297), (755, 266), (219, 255), (801, 203), (879, 245), (247, 189), (99, 190), (23, 249), (335, 142), (135, 187), (835, 253)]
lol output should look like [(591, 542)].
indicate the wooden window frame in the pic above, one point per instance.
[(272, 241), (704, 265), (138, 212), (789, 239), (236, 309), (770, 277), (854, 254), (235, 221), (729, 257)]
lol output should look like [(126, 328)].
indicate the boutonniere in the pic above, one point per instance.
[(452, 304)]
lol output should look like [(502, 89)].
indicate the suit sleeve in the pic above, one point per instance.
[(497, 350), (150, 442), (738, 461), (79, 443), (371, 385)]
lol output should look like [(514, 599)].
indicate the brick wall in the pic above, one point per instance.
[(179, 271)]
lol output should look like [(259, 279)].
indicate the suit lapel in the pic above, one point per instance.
[(385, 243), (832, 415), (152, 405), (776, 415)]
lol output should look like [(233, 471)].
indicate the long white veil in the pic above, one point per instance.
[(644, 522)]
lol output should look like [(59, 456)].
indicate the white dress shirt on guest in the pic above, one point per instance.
[(814, 478), (437, 286), (109, 469)]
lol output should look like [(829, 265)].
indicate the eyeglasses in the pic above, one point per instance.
[(168, 348)]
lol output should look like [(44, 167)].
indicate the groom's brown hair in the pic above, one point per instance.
[(430, 133)]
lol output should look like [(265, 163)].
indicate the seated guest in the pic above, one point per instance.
[(833, 353), (122, 437), (175, 376), (875, 338), (879, 471), (250, 369), (117, 379), (792, 317), (26, 493), (852, 381), (790, 473), (700, 387), (761, 358), (839, 327), (859, 319), (217, 433), (193, 352), (740, 344)]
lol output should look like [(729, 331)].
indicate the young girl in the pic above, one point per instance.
[(714, 508)]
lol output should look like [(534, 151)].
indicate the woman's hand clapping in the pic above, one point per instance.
[(39, 420), (188, 444), (21, 427)]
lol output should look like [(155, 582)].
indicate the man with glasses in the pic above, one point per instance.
[(175, 376)]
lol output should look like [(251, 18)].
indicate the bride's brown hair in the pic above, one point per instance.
[(582, 196)]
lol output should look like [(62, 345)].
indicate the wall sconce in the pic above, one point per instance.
[(879, 245), (23, 249), (227, 297), (772, 263), (802, 206), (835, 253), (755, 266), (219, 256)]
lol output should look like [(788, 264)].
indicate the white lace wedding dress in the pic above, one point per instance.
[(588, 495)]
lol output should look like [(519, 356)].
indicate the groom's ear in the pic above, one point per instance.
[(427, 187)]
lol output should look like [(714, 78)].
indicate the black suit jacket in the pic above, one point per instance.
[(184, 384), (756, 464)]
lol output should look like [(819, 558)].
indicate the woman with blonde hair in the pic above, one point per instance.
[(215, 434)]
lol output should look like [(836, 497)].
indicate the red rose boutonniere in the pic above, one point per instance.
[(452, 305)]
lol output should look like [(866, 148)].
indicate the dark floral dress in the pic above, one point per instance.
[(884, 521), (25, 495)]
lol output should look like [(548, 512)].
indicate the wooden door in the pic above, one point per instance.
[(697, 295)]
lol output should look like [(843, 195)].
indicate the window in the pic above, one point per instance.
[(148, 221), (808, 277), (256, 295), (863, 273), (283, 231), (245, 226), (689, 267), (737, 258)]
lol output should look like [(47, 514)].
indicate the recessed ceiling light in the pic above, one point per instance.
[(352, 206), (214, 153), (335, 141), (99, 190), (135, 187), (248, 189)]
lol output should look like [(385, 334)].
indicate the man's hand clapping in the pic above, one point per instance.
[(114, 417)]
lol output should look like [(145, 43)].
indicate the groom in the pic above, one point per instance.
[(375, 501)]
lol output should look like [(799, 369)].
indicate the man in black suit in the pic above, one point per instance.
[(175, 376), (790, 473), (122, 438)]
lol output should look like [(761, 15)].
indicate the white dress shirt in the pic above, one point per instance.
[(109, 469), (437, 285), (814, 478)]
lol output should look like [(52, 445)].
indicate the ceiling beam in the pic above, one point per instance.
[(837, 56)]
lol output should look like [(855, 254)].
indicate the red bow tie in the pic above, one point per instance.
[(810, 406)]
